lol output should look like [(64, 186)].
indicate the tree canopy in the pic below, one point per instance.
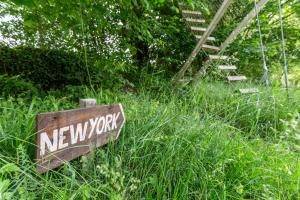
[(121, 37)]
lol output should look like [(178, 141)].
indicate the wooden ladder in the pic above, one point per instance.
[(195, 22)]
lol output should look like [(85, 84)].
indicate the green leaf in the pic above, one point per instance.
[(9, 168), (4, 186), (51, 3), (30, 21), (239, 189), (27, 3)]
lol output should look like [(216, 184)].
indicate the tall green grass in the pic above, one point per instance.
[(202, 143)]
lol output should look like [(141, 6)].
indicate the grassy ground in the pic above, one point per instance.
[(203, 143)]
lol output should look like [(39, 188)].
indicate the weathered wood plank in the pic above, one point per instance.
[(66, 135), (227, 67), (198, 29), (237, 78), (218, 57), (249, 91), (210, 47), (192, 20), (190, 12), (209, 39), (87, 103)]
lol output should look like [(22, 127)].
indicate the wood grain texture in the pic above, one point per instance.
[(86, 103), (49, 122)]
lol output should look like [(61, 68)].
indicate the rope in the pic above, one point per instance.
[(265, 67), (283, 47)]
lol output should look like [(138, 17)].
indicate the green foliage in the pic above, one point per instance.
[(206, 142), (120, 38), (260, 114), (9, 168), (56, 69), (203, 143), (111, 32), (46, 68), (3, 190), (16, 87), (5, 171)]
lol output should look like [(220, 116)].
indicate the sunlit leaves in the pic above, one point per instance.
[(27, 3)]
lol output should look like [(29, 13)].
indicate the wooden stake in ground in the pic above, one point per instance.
[(87, 103)]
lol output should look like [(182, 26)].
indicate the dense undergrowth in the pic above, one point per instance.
[(206, 142)]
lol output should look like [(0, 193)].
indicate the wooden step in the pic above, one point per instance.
[(237, 78), (249, 91), (195, 20), (190, 12), (217, 57), (210, 47), (210, 39), (198, 29), (227, 67)]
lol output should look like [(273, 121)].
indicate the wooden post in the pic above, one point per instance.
[(203, 39), (87, 103)]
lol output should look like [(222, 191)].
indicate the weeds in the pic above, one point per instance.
[(208, 143)]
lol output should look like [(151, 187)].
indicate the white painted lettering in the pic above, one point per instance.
[(45, 141), (79, 132), (62, 137), (93, 123), (114, 122), (109, 119), (101, 122)]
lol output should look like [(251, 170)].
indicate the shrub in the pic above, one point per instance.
[(49, 69), (56, 69), (16, 87)]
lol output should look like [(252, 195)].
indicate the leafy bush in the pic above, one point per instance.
[(17, 87), (46, 68), (56, 69)]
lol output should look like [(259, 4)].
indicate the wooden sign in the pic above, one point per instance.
[(64, 136)]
